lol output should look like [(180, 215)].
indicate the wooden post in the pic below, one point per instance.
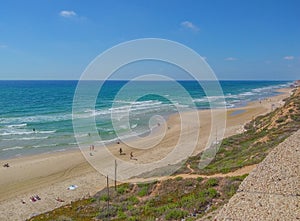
[(107, 185), (116, 175)]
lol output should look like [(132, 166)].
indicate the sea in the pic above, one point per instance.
[(37, 116)]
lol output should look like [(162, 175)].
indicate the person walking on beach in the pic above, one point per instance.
[(132, 157), (121, 151)]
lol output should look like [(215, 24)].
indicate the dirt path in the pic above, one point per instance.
[(191, 169), (239, 172)]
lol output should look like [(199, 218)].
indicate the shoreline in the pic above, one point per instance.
[(112, 142), (50, 174)]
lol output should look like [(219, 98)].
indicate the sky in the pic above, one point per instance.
[(240, 40)]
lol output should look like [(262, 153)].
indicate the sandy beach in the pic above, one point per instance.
[(49, 175)]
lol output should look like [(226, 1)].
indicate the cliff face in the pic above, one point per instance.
[(261, 136), (272, 190), (283, 120)]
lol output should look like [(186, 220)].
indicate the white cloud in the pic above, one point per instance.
[(230, 59), (288, 58), (67, 14), (189, 25)]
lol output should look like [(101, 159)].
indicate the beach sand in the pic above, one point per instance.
[(49, 175)]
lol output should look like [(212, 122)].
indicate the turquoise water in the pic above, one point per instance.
[(36, 116)]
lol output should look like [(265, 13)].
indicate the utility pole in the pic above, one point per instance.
[(216, 136), (116, 175), (107, 185)]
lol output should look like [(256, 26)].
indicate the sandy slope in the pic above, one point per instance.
[(272, 190), (49, 175)]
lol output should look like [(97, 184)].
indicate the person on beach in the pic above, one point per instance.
[(132, 157), (6, 165), (59, 200), (121, 151)]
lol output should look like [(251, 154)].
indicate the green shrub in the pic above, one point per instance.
[(212, 182), (104, 198), (176, 214), (178, 178), (133, 200), (200, 179), (121, 215), (143, 191), (212, 192), (133, 218), (238, 178), (189, 183), (121, 189), (230, 190), (92, 200)]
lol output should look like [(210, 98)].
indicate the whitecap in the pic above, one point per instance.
[(17, 125), (133, 126), (12, 148), (26, 138)]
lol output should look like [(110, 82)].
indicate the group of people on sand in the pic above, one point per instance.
[(36, 198), (33, 199), (92, 148), (131, 154), (59, 200), (6, 165)]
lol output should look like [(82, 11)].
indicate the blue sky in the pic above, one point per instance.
[(57, 39)]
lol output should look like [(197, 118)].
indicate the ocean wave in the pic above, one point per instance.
[(26, 138), (134, 106), (272, 87), (46, 132), (256, 92), (17, 125), (9, 133), (81, 135), (105, 129), (45, 145), (121, 137), (13, 148), (248, 93), (133, 126), (18, 121)]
